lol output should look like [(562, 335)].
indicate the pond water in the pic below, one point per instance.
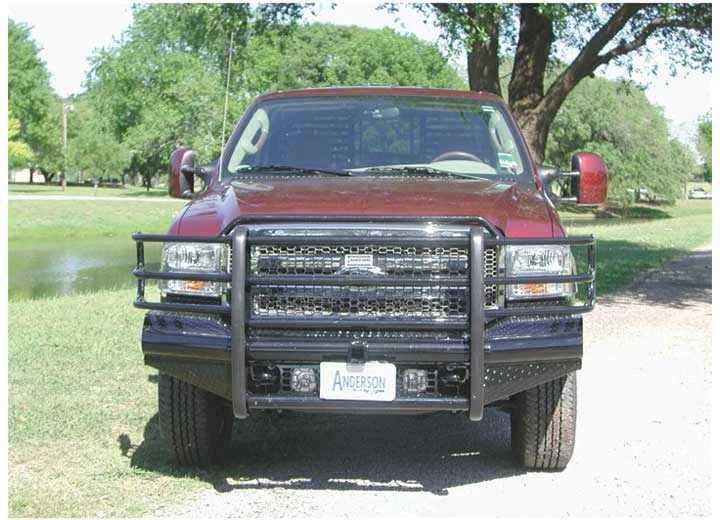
[(57, 268)]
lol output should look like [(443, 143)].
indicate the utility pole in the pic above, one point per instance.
[(65, 108)]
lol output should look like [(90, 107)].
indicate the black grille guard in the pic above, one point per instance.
[(481, 235)]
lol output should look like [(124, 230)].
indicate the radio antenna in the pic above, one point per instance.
[(227, 95)]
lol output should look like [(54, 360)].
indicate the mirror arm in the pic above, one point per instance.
[(549, 175), (189, 170)]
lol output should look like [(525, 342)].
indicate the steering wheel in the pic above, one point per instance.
[(458, 154)]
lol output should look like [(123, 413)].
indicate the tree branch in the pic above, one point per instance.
[(640, 40), (443, 8), (586, 61)]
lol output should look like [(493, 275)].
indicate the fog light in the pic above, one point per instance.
[(303, 380), (415, 380)]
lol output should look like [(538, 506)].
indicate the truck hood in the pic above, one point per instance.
[(519, 209)]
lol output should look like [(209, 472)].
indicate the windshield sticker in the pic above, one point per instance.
[(506, 160), (488, 109)]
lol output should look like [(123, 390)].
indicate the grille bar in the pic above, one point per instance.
[(353, 241), (357, 324), (365, 281)]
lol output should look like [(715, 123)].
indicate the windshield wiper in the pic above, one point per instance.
[(293, 169), (419, 169)]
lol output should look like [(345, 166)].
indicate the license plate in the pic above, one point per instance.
[(371, 381)]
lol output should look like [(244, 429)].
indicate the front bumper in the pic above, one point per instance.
[(475, 359), (519, 354)]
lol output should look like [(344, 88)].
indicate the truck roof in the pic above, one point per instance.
[(393, 91)]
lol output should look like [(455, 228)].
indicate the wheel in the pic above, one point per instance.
[(543, 424), (195, 424)]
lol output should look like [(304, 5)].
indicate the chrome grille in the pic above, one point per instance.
[(328, 260), (344, 301), (307, 273)]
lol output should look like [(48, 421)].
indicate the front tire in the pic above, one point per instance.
[(195, 424), (543, 422)]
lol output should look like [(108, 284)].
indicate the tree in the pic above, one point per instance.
[(161, 88), (628, 131), (536, 34), (19, 153), (92, 149), (704, 146), (32, 101), (164, 84), (179, 101), (322, 55)]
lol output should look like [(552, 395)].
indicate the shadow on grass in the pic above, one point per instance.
[(612, 215), (39, 191), (144, 194), (429, 453), (677, 283)]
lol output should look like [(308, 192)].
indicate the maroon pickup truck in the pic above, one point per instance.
[(374, 250)]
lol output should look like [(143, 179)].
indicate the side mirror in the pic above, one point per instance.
[(592, 189), (181, 174), (586, 183)]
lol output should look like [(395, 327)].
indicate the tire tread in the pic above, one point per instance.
[(194, 423), (543, 424)]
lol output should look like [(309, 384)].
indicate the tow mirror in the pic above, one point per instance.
[(586, 184), (182, 172)]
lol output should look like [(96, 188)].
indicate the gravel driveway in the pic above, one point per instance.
[(643, 446)]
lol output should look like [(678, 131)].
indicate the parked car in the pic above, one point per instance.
[(371, 250), (699, 193)]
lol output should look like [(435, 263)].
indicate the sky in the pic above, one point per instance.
[(69, 32)]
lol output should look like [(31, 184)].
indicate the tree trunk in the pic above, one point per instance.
[(483, 64), (535, 124), (526, 88), (533, 49)]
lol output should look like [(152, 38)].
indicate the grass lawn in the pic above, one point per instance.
[(85, 191), (82, 425), (81, 406), (643, 238), (70, 219)]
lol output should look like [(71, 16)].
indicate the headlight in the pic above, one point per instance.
[(193, 258), (539, 260)]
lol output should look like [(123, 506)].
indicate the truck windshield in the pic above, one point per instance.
[(375, 135)]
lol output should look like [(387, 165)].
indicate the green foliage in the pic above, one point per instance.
[(538, 34), (322, 55), (615, 120), (164, 85), (156, 100), (32, 101), (460, 21), (19, 153), (92, 150), (704, 146)]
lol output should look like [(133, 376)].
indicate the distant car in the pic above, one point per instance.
[(699, 193)]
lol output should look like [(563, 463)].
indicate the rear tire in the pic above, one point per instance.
[(543, 423), (195, 424)]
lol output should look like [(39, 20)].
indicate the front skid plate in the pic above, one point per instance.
[(501, 381)]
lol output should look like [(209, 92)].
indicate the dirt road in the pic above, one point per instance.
[(643, 445)]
